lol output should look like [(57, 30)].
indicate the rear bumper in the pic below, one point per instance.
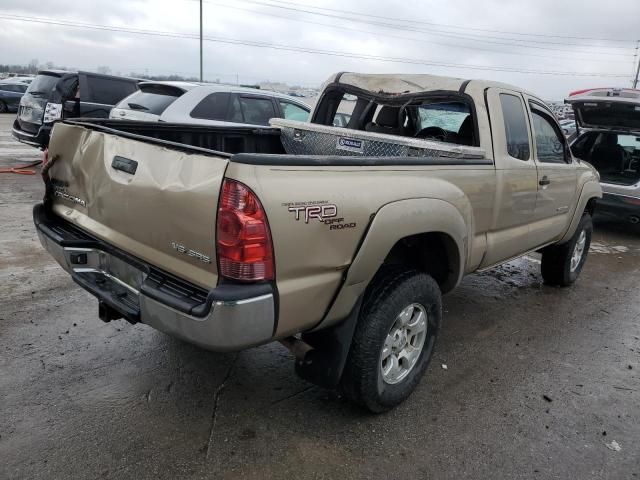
[(39, 139), (226, 318)]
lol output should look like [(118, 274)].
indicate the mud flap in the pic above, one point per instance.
[(324, 364)]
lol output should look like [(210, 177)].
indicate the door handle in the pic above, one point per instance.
[(544, 181)]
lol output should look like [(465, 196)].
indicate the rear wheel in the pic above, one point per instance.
[(394, 339), (561, 264)]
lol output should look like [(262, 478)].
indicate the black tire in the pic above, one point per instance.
[(390, 292), (3, 107), (556, 259)]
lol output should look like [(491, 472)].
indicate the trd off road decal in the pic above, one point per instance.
[(320, 210)]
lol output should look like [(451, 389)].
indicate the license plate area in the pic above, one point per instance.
[(114, 281), (89, 260)]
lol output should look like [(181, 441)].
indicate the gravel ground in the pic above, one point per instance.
[(540, 382)]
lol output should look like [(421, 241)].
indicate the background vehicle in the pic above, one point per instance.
[(230, 237), (19, 79), (56, 94), (207, 104), (568, 127), (10, 95), (609, 138)]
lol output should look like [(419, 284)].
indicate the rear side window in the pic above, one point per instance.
[(43, 84), (108, 91), (212, 107), (515, 126), (252, 110), (151, 99), (292, 111)]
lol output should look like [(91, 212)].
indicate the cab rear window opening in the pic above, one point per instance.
[(443, 116)]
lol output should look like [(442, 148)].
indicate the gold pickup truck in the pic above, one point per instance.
[(336, 236)]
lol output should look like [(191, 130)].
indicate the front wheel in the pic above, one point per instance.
[(561, 264), (394, 339)]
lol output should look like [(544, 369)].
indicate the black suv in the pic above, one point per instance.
[(56, 94)]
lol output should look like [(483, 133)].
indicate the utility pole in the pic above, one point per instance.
[(635, 81), (201, 76)]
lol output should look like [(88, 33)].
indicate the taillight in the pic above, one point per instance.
[(52, 112), (243, 239)]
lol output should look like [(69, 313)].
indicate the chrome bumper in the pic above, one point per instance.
[(219, 323)]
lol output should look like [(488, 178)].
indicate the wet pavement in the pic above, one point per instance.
[(540, 382)]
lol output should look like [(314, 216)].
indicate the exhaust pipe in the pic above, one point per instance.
[(634, 219)]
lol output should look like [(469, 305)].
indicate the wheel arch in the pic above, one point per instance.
[(589, 195), (425, 234)]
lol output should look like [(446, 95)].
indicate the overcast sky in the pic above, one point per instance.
[(385, 33)]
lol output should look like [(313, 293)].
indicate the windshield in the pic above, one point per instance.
[(43, 84), (151, 99)]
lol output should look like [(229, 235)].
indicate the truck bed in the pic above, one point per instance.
[(272, 145)]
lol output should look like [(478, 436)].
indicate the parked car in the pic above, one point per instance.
[(207, 104), (568, 126), (19, 79), (338, 242), (56, 94), (608, 137), (10, 95)]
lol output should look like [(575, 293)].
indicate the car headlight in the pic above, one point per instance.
[(52, 112)]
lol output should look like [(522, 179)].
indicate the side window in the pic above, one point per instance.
[(515, 126), (212, 107), (257, 111), (549, 141), (292, 111), (108, 91)]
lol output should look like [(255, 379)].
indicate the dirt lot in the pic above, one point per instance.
[(538, 381)]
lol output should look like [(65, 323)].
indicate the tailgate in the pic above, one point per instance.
[(153, 202)]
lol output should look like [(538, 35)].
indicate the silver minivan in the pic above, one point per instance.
[(608, 137)]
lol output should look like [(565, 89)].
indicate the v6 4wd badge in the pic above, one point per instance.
[(322, 211)]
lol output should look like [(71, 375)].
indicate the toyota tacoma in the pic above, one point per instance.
[(336, 241)]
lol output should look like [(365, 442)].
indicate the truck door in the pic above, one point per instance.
[(516, 177), (557, 175)]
